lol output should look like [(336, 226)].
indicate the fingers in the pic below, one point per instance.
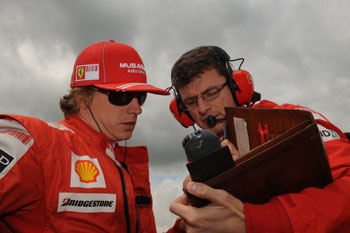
[(186, 180), (180, 206), (202, 191), (234, 152), (224, 214), (180, 201), (217, 197)]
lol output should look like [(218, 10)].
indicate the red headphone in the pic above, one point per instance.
[(182, 117), (240, 83), (245, 83)]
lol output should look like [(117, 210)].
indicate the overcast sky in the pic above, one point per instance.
[(297, 51)]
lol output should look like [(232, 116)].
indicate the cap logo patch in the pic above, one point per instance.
[(133, 67), (81, 72), (87, 72), (86, 170)]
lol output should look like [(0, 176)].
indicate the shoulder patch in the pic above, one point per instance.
[(15, 141), (5, 160), (327, 134)]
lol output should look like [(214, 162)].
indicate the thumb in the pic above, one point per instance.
[(218, 197), (200, 190)]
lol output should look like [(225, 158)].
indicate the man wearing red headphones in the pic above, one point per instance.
[(204, 84)]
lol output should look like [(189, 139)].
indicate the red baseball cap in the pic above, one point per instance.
[(112, 66)]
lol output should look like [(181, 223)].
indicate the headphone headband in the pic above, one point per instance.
[(232, 84), (221, 53)]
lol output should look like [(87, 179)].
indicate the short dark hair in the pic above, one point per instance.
[(194, 63)]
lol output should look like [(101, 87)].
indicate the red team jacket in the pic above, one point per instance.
[(65, 177), (313, 210)]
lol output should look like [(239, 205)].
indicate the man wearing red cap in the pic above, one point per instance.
[(72, 175)]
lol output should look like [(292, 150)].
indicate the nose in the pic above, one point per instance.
[(134, 107), (202, 106)]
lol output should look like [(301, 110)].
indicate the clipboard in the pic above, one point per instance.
[(288, 159)]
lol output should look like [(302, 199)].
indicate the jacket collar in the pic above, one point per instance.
[(80, 127)]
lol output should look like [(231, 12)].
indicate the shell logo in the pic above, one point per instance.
[(87, 171)]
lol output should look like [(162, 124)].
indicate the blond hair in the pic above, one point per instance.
[(69, 103)]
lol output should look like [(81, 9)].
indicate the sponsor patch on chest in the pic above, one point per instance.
[(86, 172), (87, 202)]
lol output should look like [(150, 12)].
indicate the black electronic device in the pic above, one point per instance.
[(206, 158)]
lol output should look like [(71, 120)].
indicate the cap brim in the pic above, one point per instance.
[(133, 87)]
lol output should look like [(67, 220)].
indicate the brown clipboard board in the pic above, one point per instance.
[(292, 159)]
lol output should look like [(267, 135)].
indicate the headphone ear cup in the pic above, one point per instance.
[(245, 83), (181, 116)]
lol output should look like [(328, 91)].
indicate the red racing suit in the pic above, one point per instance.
[(312, 210), (66, 177)]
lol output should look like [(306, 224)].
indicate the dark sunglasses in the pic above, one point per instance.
[(122, 98)]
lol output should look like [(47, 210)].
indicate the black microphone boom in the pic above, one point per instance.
[(212, 121)]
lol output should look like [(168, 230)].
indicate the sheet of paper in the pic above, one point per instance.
[(241, 135)]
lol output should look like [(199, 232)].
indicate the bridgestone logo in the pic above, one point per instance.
[(96, 203), (86, 202)]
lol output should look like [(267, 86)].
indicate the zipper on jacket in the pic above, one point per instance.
[(126, 201), (125, 166)]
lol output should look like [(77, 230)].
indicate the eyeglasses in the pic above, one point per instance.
[(209, 94), (122, 98)]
